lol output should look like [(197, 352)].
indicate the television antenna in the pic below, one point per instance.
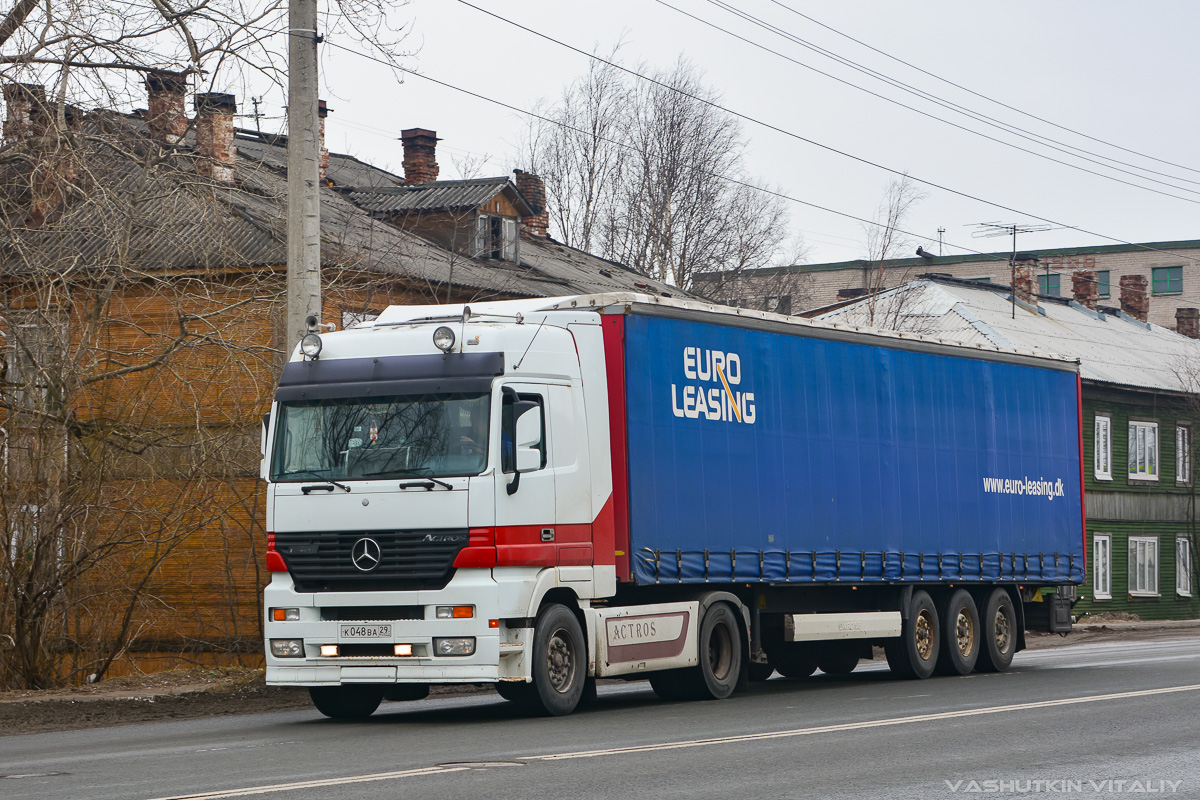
[(988, 230)]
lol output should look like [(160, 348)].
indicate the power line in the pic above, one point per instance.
[(978, 94), (788, 133), (944, 104)]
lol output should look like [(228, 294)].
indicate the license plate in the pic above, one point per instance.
[(366, 632)]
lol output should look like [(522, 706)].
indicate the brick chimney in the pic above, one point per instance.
[(1085, 287), (214, 135), (1187, 322), (1025, 285), (1135, 297), (27, 112), (323, 151), (533, 189), (420, 155), (166, 116)]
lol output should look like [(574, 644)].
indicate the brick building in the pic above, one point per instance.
[(1171, 270)]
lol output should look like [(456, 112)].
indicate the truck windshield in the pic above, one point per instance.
[(433, 435)]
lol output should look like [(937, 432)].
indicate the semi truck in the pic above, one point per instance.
[(539, 493)]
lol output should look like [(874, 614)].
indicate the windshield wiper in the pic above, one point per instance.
[(427, 481), (318, 476)]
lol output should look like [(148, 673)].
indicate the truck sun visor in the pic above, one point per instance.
[(389, 375)]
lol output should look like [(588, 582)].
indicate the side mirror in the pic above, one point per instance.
[(529, 439), (262, 446)]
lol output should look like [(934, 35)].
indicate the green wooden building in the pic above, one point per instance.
[(1139, 414)]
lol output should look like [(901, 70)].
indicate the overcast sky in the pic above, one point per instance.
[(1123, 73)]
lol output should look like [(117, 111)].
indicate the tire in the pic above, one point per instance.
[(837, 659), (405, 692), (346, 702), (720, 653), (559, 663), (960, 635), (759, 671), (999, 633), (793, 660), (915, 653)]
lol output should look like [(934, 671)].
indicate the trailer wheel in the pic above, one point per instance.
[(837, 659), (960, 635), (346, 702), (915, 653), (559, 661), (999, 633), (793, 659)]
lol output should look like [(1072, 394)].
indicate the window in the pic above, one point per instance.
[(1183, 454), (1102, 283), (1167, 280), (1103, 448), (496, 237), (1143, 566), (1048, 285), (984, 279), (780, 305), (35, 355), (1102, 566), (1183, 567), (1143, 451)]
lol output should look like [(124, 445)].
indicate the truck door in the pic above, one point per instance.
[(524, 516)]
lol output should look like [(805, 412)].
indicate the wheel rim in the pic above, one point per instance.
[(923, 631), (720, 652), (560, 661), (964, 632), (1001, 627)]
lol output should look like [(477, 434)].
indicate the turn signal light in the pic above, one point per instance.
[(454, 612)]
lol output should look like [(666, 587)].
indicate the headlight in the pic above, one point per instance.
[(310, 345), (461, 646), (287, 648), (443, 339)]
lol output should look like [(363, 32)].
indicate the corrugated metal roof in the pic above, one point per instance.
[(434, 196), (1111, 347)]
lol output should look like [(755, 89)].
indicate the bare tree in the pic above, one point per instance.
[(650, 174), (886, 238)]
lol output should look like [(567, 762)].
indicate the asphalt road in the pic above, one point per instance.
[(1094, 719)]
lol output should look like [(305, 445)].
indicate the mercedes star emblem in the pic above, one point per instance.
[(365, 554)]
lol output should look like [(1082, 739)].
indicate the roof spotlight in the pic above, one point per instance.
[(310, 345), (443, 339)]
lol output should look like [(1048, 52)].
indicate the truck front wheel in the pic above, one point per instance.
[(999, 633), (346, 702), (559, 661), (915, 653)]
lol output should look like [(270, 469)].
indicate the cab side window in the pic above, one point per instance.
[(508, 435)]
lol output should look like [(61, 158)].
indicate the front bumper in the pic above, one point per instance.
[(475, 587)]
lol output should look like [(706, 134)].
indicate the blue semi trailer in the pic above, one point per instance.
[(540, 493)]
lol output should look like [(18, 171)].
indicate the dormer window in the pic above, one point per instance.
[(496, 237)]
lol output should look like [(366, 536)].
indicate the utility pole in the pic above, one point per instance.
[(304, 210)]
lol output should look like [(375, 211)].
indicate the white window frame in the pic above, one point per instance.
[(1183, 566), (1102, 455), (1102, 566), (1183, 455), (1143, 566), (1143, 451)]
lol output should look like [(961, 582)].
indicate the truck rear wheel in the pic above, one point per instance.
[(720, 655), (915, 653), (793, 659), (999, 633), (837, 659), (559, 661), (960, 635), (346, 702)]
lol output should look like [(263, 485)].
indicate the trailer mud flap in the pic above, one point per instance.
[(646, 638)]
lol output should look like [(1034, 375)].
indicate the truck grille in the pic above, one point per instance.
[(387, 560)]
